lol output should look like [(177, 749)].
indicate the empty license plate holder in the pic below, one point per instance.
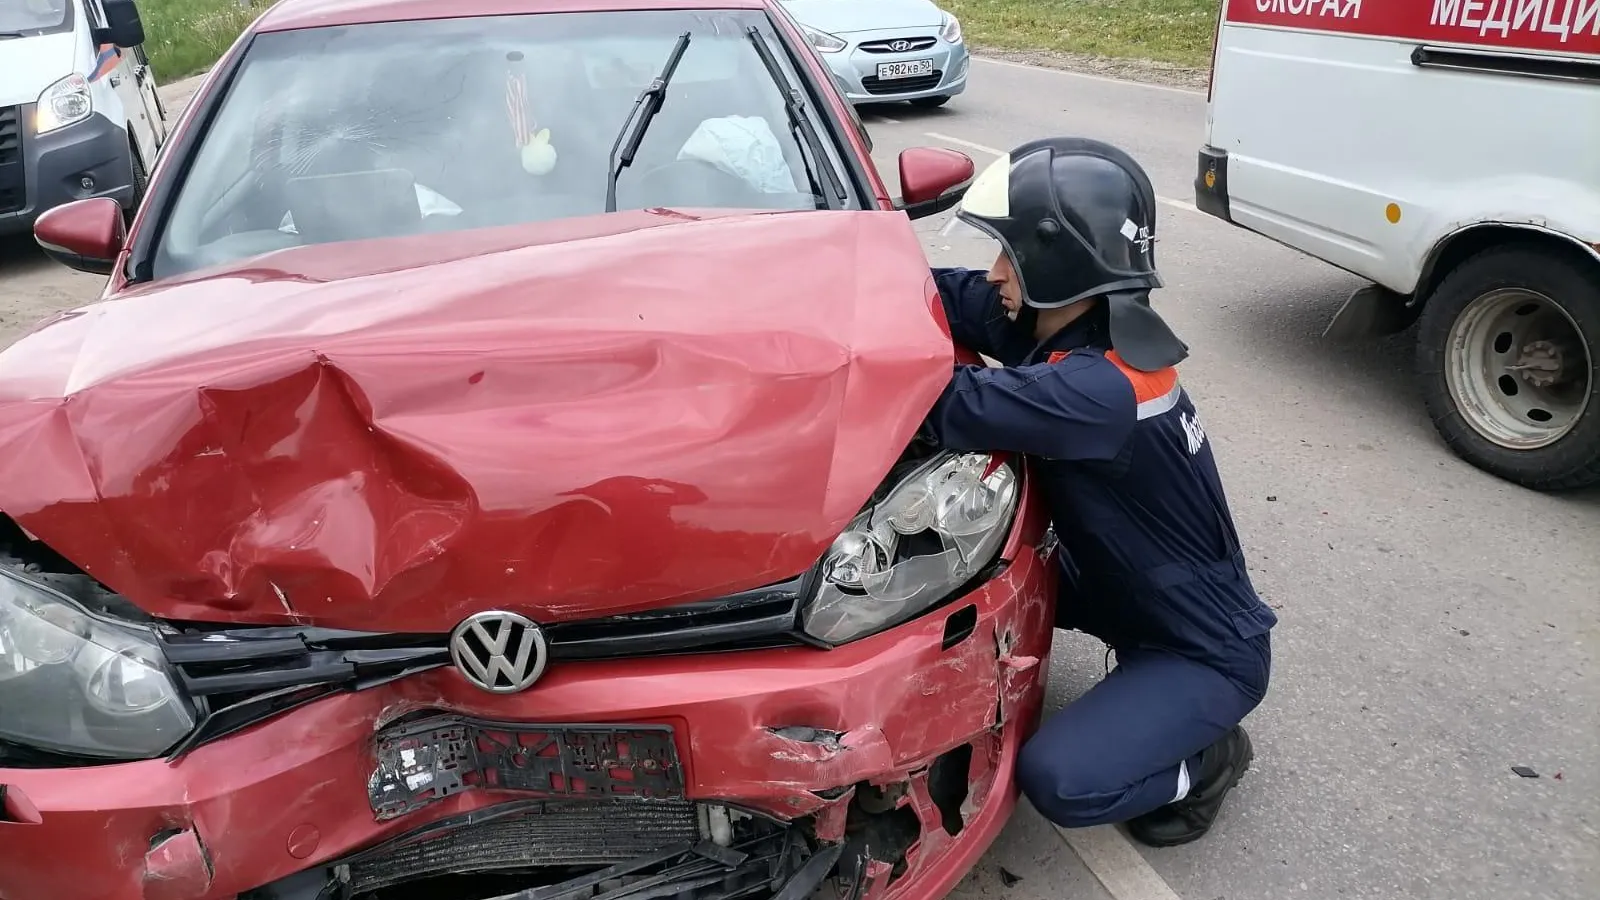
[(422, 762)]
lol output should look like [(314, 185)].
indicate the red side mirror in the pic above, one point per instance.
[(86, 235), (932, 180)]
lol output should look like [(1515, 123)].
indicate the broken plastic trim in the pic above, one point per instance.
[(426, 760), (745, 870), (778, 862)]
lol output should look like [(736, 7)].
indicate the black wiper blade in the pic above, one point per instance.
[(10, 34), (266, 659), (651, 98), (795, 106)]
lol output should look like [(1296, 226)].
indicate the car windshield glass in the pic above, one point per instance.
[(31, 17), (397, 128)]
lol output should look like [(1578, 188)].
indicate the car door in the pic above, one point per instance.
[(128, 73), (135, 85), (145, 77)]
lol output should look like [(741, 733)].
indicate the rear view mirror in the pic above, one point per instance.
[(932, 180), (123, 27), (86, 235)]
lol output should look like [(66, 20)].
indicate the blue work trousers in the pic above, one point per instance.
[(1113, 754)]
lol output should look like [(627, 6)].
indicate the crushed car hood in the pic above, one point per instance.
[(655, 410)]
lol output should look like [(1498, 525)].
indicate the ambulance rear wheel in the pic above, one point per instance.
[(1508, 350)]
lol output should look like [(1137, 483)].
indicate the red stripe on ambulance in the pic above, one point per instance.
[(1559, 26)]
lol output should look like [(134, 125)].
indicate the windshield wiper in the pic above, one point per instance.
[(6, 35), (634, 127), (798, 122)]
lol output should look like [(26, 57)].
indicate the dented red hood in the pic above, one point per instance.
[(629, 411)]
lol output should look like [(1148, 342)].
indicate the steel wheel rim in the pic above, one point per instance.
[(1500, 350)]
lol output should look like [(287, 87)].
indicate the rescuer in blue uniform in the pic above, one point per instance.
[(1149, 556)]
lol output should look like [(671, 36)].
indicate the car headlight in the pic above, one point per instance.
[(64, 103), (951, 31), (823, 41), (927, 538), (73, 682)]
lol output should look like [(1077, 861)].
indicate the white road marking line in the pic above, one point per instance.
[(1175, 204), (969, 144), (1120, 868), (1085, 75)]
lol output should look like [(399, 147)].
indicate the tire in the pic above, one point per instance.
[(1538, 425), (930, 102), (141, 179)]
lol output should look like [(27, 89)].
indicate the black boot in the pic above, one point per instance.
[(1221, 766)]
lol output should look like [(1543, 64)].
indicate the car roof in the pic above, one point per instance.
[(291, 14)]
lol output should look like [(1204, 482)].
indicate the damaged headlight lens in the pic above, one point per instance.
[(75, 683), (932, 533)]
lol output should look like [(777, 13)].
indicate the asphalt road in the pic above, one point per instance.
[(1438, 626)]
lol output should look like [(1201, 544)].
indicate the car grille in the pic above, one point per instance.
[(253, 673), (530, 834), (10, 135), (12, 194), (875, 85), (889, 45)]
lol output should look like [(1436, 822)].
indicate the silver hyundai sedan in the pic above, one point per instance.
[(886, 50)]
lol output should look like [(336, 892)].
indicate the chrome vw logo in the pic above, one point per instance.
[(501, 652), (900, 46)]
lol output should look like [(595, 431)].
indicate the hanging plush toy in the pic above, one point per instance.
[(538, 155)]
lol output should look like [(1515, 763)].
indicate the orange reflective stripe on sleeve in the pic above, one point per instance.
[(1155, 392)]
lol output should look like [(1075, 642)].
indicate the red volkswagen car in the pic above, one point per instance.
[(492, 471)]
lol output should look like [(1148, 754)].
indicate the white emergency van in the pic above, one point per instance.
[(79, 114), (1449, 152)]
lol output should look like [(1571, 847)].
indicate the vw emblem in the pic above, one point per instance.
[(900, 46), (501, 652)]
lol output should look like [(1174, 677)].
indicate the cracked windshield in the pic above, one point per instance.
[(438, 126)]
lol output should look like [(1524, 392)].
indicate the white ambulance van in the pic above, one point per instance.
[(1449, 152), (79, 115)]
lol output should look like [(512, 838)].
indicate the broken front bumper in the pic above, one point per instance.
[(892, 757)]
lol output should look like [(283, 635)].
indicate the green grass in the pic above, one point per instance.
[(1172, 31), (183, 37), (186, 36)]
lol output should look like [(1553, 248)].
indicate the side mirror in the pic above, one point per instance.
[(932, 180), (123, 27), (87, 235)]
